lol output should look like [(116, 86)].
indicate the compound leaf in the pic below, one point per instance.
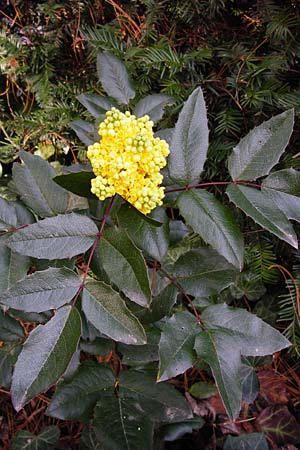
[(214, 223), (35, 185), (76, 398), (176, 346), (41, 291), (107, 311), (153, 105), (260, 150), (167, 404), (58, 237), (95, 104), (263, 210), (45, 355), (203, 272), (114, 77), (189, 141), (124, 264), (132, 429)]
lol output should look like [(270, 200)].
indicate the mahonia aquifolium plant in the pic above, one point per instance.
[(127, 160)]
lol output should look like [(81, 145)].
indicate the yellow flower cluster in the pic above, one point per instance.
[(127, 160)]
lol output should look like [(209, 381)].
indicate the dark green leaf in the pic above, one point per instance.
[(78, 182), (160, 306), (107, 311), (45, 440), (35, 185), (124, 264), (166, 403), (190, 141), (176, 347), (58, 237), (13, 266), (202, 390), (132, 429), (255, 337), (95, 104), (251, 441), (263, 210), (114, 77), (288, 204), (202, 272), (45, 355), (8, 357), (286, 180), (85, 131), (8, 216), (88, 439), (153, 105), (260, 150), (152, 240), (10, 329), (230, 333), (174, 431), (42, 291), (98, 347), (75, 399), (279, 425), (250, 384), (220, 351), (214, 223), (137, 355)]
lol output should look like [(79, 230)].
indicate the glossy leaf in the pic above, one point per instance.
[(161, 305), (249, 441), (8, 216), (114, 77), (202, 272), (85, 131), (264, 211), (255, 337), (230, 333), (45, 355), (98, 346), (75, 399), (58, 237), (10, 329), (286, 180), (221, 352), (288, 204), (176, 347), (153, 105), (42, 291), (95, 104), (190, 141), (124, 264), (45, 440), (35, 185), (166, 403), (13, 266), (260, 150), (132, 429), (78, 182), (152, 240), (139, 355), (107, 311), (250, 384), (214, 223)]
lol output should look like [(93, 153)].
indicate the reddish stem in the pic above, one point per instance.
[(93, 249), (213, 183)]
